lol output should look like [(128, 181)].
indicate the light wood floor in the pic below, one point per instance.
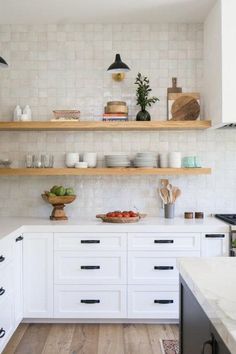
[(89, 338)]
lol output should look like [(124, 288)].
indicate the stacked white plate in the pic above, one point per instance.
[(117, 160), (145, 159)]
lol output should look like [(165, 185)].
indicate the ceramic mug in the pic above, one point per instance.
[(90, 158), (174, 160), (163, 160), (71, 159)]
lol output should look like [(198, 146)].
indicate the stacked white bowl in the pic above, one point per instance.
[(117, 160), (145, 159)]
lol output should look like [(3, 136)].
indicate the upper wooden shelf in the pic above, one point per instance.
[(104, 126), (102, 171)]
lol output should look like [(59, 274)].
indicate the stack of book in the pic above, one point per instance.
[(116, 111), (114, 117)]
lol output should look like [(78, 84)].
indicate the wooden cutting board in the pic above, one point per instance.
[(185, 107)]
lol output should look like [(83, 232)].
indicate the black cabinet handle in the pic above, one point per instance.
[(90, 301), (163, 241), (163, 302), (211, 342), (215, 236), (2, 291), (2, 258), (90, 267), (163, 267), (20, 238), (90, 241), (2, 332)]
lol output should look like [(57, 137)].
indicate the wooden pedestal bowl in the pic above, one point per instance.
[(58, 204)]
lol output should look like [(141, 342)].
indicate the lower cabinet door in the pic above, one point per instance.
[(38, 275), (7, 325), (89, 301), (153, 302)]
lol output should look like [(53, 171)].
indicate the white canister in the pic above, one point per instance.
[(163, 160), (71, 159), (90, 158), (175, 160)]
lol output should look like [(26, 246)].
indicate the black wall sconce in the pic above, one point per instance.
[(118, 69), (3, 63)]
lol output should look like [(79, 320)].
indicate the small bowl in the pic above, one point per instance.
[(81, 164), (5, 163)]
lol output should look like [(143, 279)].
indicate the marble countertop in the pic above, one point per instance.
[(9, 225), (213, 283)]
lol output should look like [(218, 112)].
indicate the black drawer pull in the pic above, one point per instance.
[(90, 241), (2, 291), (163, 241), (20, 238), (2, 332), (90, 301), (2, 258), (163, 267), (215, 236), (90, 267), (163, 302)]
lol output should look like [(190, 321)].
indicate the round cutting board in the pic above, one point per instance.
[(185, 108)]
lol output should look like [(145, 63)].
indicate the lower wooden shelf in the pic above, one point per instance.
[(102, 171)]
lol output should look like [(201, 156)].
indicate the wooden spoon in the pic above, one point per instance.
[(165, 194), (176, 194)]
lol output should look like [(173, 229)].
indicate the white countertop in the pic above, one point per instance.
[(213, 283), (9, 225)]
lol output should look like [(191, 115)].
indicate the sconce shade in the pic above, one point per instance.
[(3, 63), (118, 66)]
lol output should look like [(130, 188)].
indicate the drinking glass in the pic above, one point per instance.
[(29, 160)]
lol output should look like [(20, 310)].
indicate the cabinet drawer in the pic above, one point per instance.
[(151, 302), (154, 268), (164, 241), (6, 320), (92, 268), (143, 269), (6, 283), (6, 251), (73, 301), (90, 241)]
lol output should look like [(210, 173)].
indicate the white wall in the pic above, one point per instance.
[(64, 67)]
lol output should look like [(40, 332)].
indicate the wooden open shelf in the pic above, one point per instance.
[(105, 126), (102, 171)]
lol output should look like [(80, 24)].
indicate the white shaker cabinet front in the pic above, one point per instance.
[(215, 245), (38, 275), (18, 278)]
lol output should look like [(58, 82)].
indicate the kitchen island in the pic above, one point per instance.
[(208, 305)]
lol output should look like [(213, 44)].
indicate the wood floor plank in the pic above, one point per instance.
[(136, 339), (110, 340), (157, 332), (59, 339), (33, 339), (90, 338), (16, 338), (85, 339)]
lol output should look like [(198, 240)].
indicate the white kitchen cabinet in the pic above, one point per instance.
[(215, 245), (18, 278), (90, 301), (38, 275), (154, 302), (90, 267)]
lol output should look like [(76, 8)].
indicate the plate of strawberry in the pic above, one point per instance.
[(121, 216)]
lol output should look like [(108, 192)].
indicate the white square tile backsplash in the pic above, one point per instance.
[(64, 66)]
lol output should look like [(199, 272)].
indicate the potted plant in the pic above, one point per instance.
[(142, 95)]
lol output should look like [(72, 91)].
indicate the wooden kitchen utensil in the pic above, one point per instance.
[(118, 220), (58, 204), (165, 195), (176, 193)]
